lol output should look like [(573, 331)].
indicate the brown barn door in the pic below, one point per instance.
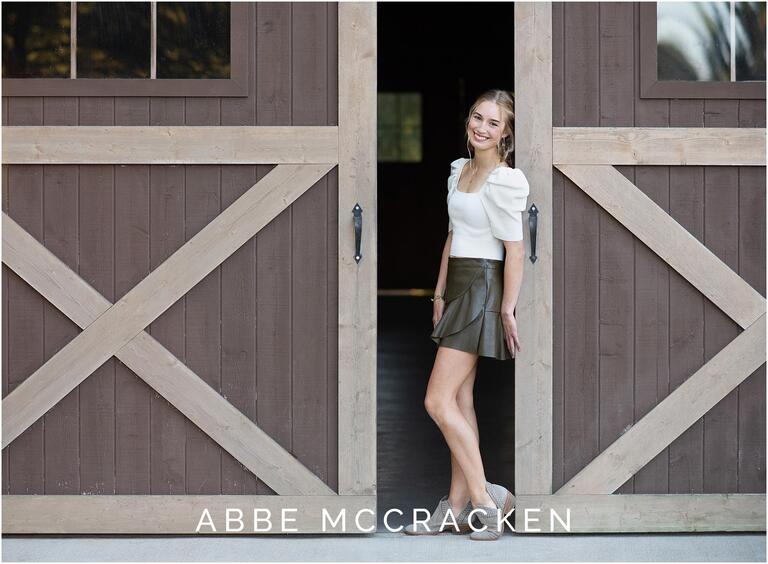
[(188, 338), (621, 285)]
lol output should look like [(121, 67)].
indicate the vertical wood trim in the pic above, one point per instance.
[(73, 40), (357, 281), (533, 146), (153, 41)]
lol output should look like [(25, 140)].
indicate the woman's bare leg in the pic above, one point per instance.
[(458, 494), (452, 368)]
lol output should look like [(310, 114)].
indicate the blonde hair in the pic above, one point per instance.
[(506, 103)]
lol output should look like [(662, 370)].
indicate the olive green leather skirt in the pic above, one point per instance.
[(471, 318)]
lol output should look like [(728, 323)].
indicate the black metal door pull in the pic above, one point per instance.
[(358, 212), (533, 217)]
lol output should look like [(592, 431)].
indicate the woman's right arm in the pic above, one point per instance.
[(437, 309)]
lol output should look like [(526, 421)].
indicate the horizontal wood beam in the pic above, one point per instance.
[(95, 144), (673, 415), (641, 513), (743, 146), (181, 514), (146, 301), (160, 369), (670, 240)]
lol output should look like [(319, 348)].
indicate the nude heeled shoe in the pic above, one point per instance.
[(436, 520), (492, 518)]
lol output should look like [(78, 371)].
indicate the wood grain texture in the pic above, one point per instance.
[(673, 415), (26, 309), (686, 315), (642, 513), (309, 259), (181, 515), (616, 244), (695, 262), (274, 247), (153, 295), (357, 281), (651, 298), (671, 329), (709, 145), (170, 144), (195, 398), (581, 232), (752, 252), (533, 366), (721, 236)]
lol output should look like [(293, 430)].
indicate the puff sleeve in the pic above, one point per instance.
[(505, 199), (453, 179)]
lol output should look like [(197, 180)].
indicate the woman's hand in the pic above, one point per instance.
[(437, 312), (510, 329)]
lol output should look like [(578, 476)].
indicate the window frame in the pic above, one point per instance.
[(235, 85), (652, 87)]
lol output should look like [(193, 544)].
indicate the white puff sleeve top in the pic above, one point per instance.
[(481, 220)]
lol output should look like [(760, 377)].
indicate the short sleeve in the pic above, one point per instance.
[(452, 180), (505, 199)]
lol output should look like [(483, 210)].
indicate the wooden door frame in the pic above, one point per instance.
[(303, 156), (586, 155)]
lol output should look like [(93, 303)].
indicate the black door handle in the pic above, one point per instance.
[(533, 220), (358, 212)]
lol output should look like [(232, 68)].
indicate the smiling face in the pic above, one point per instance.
[(485, 126)]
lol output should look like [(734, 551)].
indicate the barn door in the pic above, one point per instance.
[(589, 501), (240, 242)]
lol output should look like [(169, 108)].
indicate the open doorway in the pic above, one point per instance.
[(428, 75)]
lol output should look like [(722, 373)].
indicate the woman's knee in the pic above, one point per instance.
[(436, 406)]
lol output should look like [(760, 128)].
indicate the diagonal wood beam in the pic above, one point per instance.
[(673, 415), (670, 240), (159, 368), (146, 301)]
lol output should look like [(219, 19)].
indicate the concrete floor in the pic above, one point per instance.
[(395, 547)]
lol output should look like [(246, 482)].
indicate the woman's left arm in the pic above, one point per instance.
[(513, 278)]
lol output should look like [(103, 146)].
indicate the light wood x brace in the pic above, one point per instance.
[(118, 329)]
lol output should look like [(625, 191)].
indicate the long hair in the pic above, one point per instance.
[(506, 103)]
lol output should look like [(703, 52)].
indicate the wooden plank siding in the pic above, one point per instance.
[(260, 328), (628, 329)]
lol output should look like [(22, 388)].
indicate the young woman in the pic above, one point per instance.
[(473, 315)]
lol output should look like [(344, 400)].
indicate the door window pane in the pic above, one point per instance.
[(750, 40), (710, 41), (692, 40), (193, 40), (36, 39), (113, 40)]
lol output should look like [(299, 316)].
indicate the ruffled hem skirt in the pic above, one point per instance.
[(471, 318)]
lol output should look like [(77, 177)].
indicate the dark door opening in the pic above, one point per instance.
[(434, 59)]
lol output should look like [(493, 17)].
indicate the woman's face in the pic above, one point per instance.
[(485, 126)]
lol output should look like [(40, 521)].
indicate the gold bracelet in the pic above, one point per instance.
[(437, 297)]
